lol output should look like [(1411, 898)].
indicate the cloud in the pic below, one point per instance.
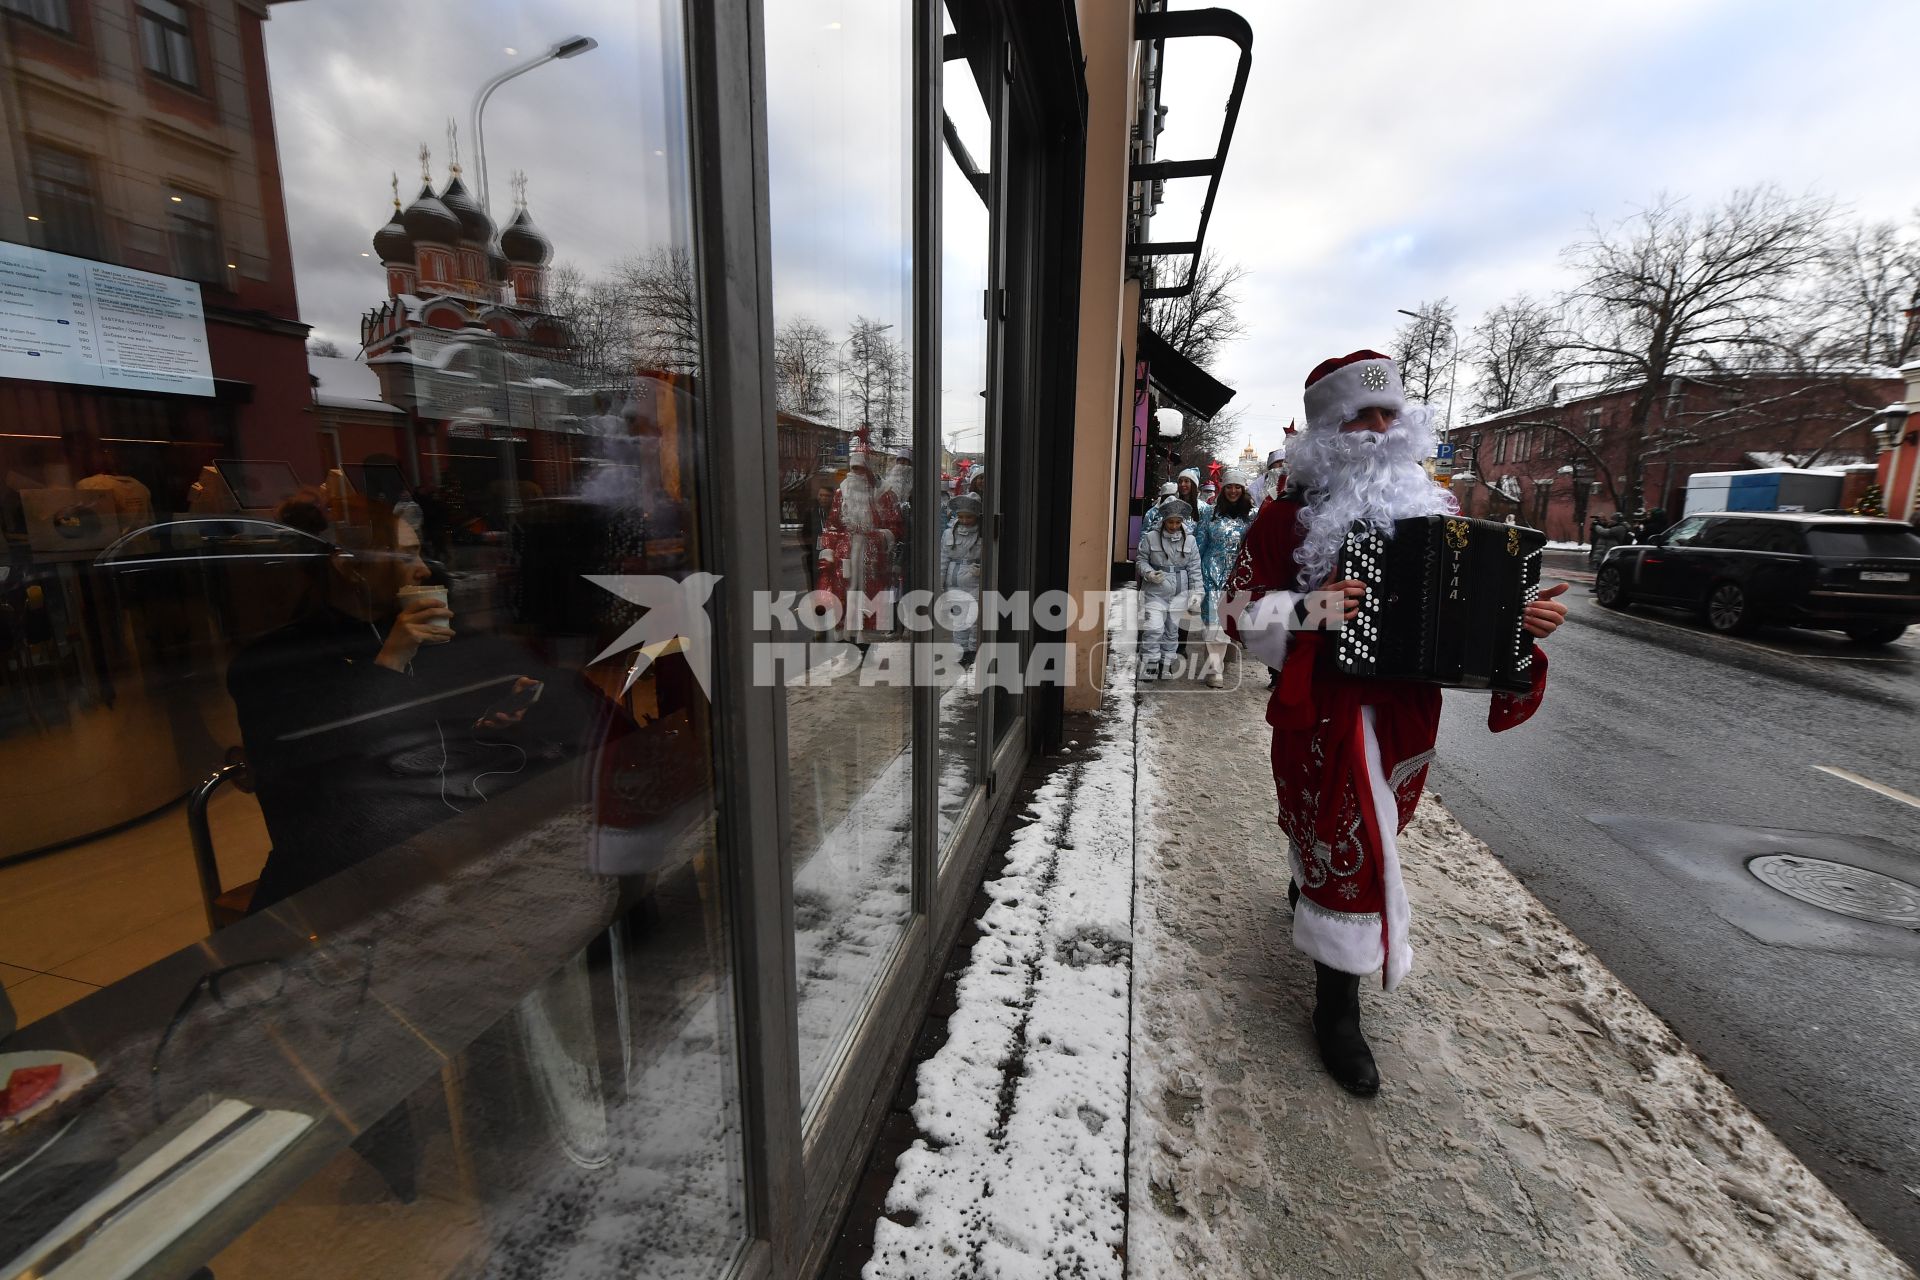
[(358, 85), (1408, 151)]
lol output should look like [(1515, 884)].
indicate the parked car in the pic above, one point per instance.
[(1744, 568)]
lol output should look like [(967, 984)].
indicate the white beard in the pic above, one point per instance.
[(1350, 477), (856, 501), (899, 483)]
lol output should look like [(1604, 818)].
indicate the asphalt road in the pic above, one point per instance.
[(1661, 760)]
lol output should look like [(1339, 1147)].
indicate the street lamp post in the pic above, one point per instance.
[(571, 47)]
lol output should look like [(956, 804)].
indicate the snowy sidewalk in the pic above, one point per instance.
[(1147, 1101)]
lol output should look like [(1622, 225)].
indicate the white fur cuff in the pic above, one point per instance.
[(1263, 627)]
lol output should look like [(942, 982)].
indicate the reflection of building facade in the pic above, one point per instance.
[(150, 144), (464, 346), (141, 137)]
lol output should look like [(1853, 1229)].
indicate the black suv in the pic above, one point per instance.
[(1743, 568)]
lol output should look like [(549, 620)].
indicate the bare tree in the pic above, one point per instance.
[(1514, 356), (324, 347), (666, 310), (1199, 323), (877, 380), (1425, 348), (1204, 439), (803, 365), (598, 316), (1869, 293), (1671, 291)]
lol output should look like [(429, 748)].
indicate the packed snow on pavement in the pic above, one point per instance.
[(1535, 1118), (1021, 1167)]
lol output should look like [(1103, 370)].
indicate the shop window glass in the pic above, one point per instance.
[(360, 859), (966, 247), (63, 213), (166, 42), (839, 108)]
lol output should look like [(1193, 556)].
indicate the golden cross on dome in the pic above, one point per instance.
[(519, 188), (396, 190), (453, 147), (426, 163)]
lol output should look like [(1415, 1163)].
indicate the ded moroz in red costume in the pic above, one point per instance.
[(1350, 758), (854, 561)]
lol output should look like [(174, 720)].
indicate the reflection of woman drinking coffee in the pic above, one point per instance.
[(371, 717)]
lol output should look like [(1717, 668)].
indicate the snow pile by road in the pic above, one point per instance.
[(1536, 1117), (1020, 1170)]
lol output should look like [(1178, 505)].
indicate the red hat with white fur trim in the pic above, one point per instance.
[(1337, 390)]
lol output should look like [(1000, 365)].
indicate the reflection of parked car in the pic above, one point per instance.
[(1846, 573)]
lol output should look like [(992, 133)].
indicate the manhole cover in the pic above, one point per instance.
[(1835, 886)]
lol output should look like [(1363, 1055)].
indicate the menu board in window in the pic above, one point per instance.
[(65, 319)]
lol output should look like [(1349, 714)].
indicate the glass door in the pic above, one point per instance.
[(967, 430), (840, 168)]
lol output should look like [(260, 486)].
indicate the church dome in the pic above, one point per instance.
[(523, 243), (475, 225), (428, 219), (392, 242)]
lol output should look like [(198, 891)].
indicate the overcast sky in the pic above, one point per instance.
[(1384, 155), (1396, 152)]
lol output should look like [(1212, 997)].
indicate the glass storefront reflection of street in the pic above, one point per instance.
[(840, 175), (315, 450), (966, 248)]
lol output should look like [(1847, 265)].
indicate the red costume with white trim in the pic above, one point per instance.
[(856, 547), (1350, 758)]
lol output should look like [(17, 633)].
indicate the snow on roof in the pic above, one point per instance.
[(1777, 460), (341, 382)]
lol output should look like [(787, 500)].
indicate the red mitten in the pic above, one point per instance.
[(1512, 709)]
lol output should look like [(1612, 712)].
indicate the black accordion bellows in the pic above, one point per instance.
[(1443, 603)]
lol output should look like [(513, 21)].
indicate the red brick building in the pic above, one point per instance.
[(1898, 472), (1558, 465), (144, 138)]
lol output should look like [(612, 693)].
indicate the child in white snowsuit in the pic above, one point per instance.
[(960, 569), (1168, 568)]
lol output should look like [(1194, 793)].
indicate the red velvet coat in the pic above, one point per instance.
[(1346, 864)]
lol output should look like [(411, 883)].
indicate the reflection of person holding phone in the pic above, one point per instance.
[(370, 717)]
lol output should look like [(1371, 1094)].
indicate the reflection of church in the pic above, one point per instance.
[(465, 346), (447, 269), (465, 385)]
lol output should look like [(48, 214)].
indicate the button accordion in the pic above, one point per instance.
[(1444, 603)]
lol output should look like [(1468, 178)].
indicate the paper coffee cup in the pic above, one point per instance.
[(436, 594)]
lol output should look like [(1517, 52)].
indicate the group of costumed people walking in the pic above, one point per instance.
[(1189, 542), (1349, 754), (858, 538)]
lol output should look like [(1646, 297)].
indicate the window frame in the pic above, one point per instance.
[(177, 205), (175, 34), (88, 194), (15, 9)]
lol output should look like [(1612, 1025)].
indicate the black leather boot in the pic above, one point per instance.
[(1336, 1023)]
